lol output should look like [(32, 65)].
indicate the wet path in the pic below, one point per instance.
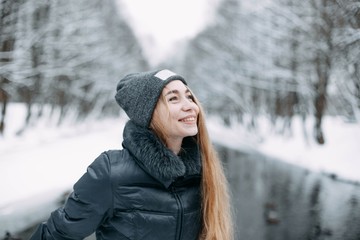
[(274, 200)]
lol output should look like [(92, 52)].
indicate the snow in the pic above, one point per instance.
[(46, 160), (340, 155)]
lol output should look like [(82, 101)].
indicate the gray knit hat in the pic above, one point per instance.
[(138, 93)]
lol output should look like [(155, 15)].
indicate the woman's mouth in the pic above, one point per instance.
[(188, 119)]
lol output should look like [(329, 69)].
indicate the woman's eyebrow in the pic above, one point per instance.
[(172, 91), (176, 91)]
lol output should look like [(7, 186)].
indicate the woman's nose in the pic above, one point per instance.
[(187, 105)]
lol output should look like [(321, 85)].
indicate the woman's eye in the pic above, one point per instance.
[(191, 97), (172, 99)]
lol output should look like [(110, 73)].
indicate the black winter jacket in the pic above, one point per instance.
[(141, 192)]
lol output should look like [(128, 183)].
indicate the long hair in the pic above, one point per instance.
[(216, 214)]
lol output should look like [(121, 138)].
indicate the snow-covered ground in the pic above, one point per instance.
[(46, 160), (340, 155)]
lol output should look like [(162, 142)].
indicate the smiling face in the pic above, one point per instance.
[(176, 112)]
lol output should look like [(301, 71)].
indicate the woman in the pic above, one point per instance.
[(166, 182)]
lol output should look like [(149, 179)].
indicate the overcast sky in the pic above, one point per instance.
[(162, 23)]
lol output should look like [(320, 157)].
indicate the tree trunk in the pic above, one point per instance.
[(4, 100), (322, 69)]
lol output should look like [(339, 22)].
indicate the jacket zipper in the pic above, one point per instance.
[(180, 215)]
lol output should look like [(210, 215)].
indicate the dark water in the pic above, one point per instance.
[(273, 200)]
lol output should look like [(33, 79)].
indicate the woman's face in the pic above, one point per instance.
[(177, 112)]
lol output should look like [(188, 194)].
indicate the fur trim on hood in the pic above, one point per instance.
[(156, 159)]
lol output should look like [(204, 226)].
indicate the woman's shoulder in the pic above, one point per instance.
[(124, 169), (116, 157), (110, 159)]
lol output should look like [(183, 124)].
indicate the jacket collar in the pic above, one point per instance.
[(156, 159)]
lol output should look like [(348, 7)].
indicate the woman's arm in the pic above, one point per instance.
[(87, 206)]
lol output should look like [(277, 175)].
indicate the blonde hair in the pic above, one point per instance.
[(216, 214)]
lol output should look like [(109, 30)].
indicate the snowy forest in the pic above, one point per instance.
[(287, 58), (291, 58), (66, 54), (291, 64)]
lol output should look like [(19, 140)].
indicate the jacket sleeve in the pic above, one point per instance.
[(85, 208)]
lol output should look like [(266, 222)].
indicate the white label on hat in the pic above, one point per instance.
[(164, 74)]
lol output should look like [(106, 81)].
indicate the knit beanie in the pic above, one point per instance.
[(138, 93)]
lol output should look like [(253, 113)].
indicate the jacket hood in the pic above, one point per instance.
[(156, 159)]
